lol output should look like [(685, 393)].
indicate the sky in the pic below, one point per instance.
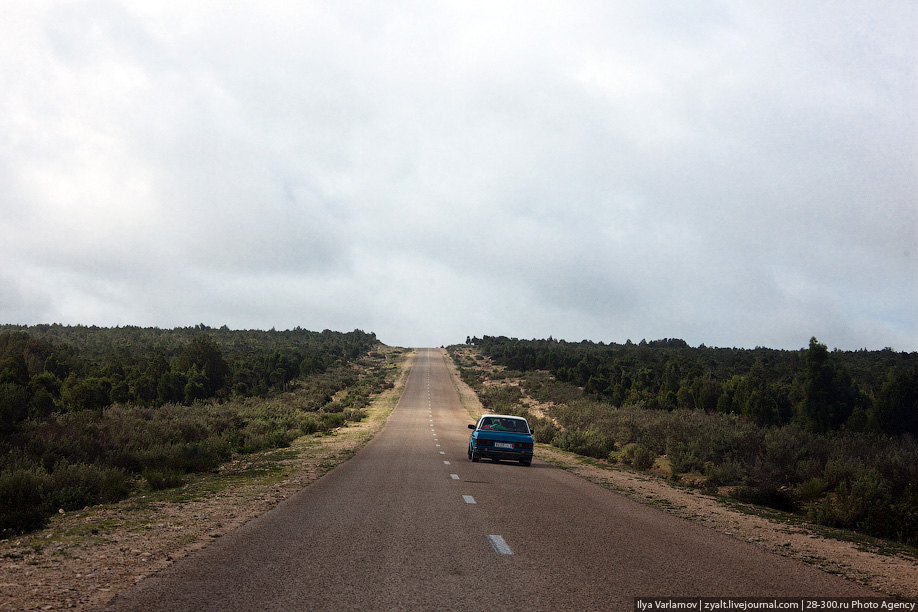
[(734, 174)]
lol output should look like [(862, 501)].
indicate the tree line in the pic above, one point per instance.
[(819, 390), (47, 368)]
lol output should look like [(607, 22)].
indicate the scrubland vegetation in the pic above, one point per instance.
[(828, 435), (90, 415)]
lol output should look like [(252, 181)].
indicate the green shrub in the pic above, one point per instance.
[(842, 469), (683, 457), (278, 439), (811, 490), (545, 431), (308, 424), (163, 478), (23, 499), (587, 443), (253, 443), (642, 458), (500, 399), (194, 457), (355, 415), (330, 420), (860, 504), (76, 485), (71, 498), (727, 473)]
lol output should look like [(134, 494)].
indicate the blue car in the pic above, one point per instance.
[(501, 436)]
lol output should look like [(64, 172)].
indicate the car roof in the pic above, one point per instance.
[(503, 416)]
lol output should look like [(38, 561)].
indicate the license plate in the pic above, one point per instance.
[(503, 445)]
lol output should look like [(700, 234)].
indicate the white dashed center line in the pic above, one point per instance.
[(454, 476), (446, 463), (469, 499), (500, 545)]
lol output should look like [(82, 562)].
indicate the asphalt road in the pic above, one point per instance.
[(410, 523)]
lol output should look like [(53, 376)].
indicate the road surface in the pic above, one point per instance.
[(409, 523)]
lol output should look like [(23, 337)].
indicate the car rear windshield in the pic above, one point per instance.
[(501, 424)]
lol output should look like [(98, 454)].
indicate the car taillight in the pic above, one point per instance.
[(485, 443), (525, 444)]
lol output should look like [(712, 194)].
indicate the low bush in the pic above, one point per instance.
[(29, 493), (500, 399), (727, 473), (77, 485), (642, 458), (24, 499), (164, 478), (683, 456), (544, 430), (589, 443)]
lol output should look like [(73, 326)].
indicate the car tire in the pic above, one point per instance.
[(473, 456), (526, 462)]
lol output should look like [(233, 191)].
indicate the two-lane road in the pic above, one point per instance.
[(410, 524)]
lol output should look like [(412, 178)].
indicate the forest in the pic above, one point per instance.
[(90, 414), (828, 435)]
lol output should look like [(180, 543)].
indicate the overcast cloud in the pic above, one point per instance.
[(730, 173)]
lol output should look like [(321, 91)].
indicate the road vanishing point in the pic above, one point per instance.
[(409, 523)]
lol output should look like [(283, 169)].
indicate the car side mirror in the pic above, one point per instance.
[(471, 426)]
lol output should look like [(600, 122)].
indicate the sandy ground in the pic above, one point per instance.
[(84, 558)]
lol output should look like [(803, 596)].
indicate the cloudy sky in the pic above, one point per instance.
[(730, 173)]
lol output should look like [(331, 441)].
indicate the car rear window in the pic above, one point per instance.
[(503, 424)]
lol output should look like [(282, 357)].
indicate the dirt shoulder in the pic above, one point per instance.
[(83, 559)]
